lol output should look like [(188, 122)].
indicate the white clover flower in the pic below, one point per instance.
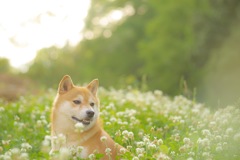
[(108, 123), (130, 135), (92, 156), (47, 137), (186, 140), (158, 93), (162, 156), (103, 138), (45, 145), (140, 150), (146, 139), (206, 154), (212, 124), (61, 139), (152, 129), (135, 158), (24, 156), (176, 137), (123, 150), (140, 144), (79, 127), (141, 155), (120, 114), (79, 149), (159, 142), (26, 146), (182, 121), (64, 153), (118, 133), (172, 153), (39, 123), (15, 151), (55, 139), (140, 134), (111, 106), (44, 121), (149, 119), (152, 146), (9, 153), (129, 147), (108, 151), (183, 148), (2, 109), (133, 120), (219, 148), (205, 142), (43, 117), (21, 109), (125, 133), (191, 154), (229, 131), (113, 119), (206, 132), (5, 157), (131, 112), (218, 138), (72, 150)]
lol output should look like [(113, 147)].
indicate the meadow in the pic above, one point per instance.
[(150, 125)]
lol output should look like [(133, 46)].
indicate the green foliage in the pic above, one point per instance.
[(161, 42), (4, 65), (149, 124), (222, 76), (51, 64), (170, 42)]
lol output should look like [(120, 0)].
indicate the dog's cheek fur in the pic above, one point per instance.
[(65, 108)]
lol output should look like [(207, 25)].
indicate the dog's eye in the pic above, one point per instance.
[(92, 104), (77, 101)]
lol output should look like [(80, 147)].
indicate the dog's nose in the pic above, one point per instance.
[(90, 113)]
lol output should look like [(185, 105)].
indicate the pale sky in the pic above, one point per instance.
[(29, 25)]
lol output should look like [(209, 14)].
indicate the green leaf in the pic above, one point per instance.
[(164, 149)]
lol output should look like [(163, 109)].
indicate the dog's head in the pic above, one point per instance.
[(77, 104)]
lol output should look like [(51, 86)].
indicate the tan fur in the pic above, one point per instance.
[(63, 123)]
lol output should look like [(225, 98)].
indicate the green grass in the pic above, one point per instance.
[(149, 124)]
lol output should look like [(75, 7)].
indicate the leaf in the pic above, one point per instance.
[(164, 149), (99, 156)]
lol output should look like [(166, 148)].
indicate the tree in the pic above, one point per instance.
[(166, 41), (5, 66)]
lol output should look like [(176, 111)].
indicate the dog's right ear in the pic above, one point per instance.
[(65, 84)]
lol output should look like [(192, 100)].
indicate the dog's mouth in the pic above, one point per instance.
[(85, 121)]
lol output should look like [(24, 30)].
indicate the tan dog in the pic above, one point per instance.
[(80, 105)]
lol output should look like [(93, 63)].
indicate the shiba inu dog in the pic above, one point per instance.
[(80, 105)]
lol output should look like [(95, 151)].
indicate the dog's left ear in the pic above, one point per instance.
[(93, 86), (65, 85)]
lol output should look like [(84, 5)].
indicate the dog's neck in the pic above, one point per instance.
[(80, 138), (74, 138)]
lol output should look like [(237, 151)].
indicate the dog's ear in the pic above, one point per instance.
[(65, 84), (93, 86)]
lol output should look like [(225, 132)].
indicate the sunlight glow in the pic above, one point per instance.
[(29, 25), (116, 15)]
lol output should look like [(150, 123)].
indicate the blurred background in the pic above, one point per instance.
[(188, 47)]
